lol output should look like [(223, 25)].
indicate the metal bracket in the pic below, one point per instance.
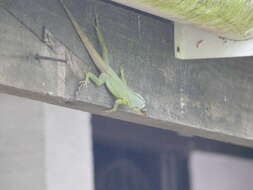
[(193, 43)]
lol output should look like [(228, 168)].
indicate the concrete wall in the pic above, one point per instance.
[(44, 147)]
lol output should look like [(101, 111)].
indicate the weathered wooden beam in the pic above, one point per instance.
[(208, 98), (231, 19)]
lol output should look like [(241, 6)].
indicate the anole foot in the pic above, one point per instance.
[(83, 83), (110, 110), (140, 112), (137, 111)]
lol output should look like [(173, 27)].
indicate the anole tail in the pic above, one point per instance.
[(97, 59)]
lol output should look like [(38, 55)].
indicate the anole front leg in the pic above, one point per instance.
[(122, 76), (116, 105)]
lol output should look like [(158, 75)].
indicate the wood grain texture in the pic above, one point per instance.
[(208, 98), (230, 19)]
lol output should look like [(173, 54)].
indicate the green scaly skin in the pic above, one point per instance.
[(115, 84)]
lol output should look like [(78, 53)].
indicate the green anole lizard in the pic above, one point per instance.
[(115, 84)]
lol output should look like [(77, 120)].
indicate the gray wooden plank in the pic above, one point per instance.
[(208, 98)]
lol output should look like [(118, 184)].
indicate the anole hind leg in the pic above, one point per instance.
[(122, 76), (90, 76), (101, 40)]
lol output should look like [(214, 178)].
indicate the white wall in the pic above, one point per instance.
[(44, 147), (210, 171)]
